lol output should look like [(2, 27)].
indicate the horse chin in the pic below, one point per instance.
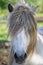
[(20, 62)]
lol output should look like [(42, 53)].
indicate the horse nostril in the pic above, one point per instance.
[(15, 55), (25, 55), (21, 58)]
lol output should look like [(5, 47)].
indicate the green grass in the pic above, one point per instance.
[(3, 13), (39, 14), (3, 31), (40, 24)]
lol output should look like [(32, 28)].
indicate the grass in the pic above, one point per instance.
[(39, 14), (40, 24), (3, 31), (3, 13)]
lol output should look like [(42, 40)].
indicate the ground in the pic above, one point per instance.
[(4, 54)]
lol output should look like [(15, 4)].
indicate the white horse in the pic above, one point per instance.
[(26, 42)]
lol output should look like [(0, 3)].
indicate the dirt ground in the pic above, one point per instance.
[(4, 54)]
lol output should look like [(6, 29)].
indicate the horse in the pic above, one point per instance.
[(26, 42)]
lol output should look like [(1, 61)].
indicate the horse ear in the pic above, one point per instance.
[(35, 8), (10, 7)]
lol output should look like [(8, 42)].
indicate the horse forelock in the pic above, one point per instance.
[(21, 17)]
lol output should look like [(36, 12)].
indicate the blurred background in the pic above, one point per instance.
[(4, 39)]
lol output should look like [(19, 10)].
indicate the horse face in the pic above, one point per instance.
[(20, 43), (22, 28)]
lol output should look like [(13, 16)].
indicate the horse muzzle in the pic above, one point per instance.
[(20, 59)]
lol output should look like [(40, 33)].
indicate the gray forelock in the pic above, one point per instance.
[(21, 17)]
